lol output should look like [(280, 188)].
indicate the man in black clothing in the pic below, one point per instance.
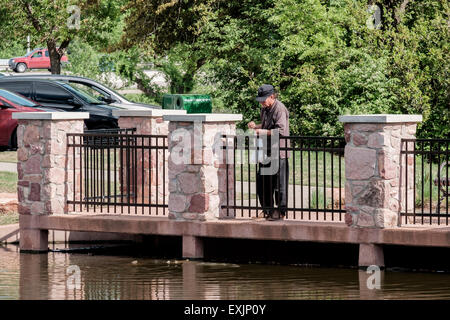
[(274, 121)]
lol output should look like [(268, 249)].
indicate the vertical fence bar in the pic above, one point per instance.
[(247, 147), (431, 184), (234, 171), (241, 159), (317, 178), (164, 175), (74, 165), (340, 187), (115, 172), (301, 178), (109, 172), (278, 180), (438, 208), (227, 173), (423, 183), (102, 172), (332, 178), (406, 178), (128, 173), (256, 175), (142, 160), (95, 173), (414, 182), (447, 181), (151, 170), (157, 174), (324, 179), (122, 170), (309, 179), (293, 179), (135, 173)]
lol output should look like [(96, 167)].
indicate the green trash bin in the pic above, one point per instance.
[(192, 103)]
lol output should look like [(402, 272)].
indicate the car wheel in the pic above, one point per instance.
[(13, 141), (21, 67)]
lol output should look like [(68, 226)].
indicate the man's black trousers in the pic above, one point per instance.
[(268, 186)]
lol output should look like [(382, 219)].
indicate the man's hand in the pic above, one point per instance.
[(263, 132), (251, 125)]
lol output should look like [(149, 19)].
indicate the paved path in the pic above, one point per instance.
[(8, 167)]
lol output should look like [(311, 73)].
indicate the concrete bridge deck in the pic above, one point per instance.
[(255, 229)]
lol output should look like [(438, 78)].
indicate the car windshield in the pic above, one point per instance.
[(94, 87), (30, 53), (82, 94), (17, 99)]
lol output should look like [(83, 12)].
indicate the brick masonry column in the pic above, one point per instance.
[(197, 170), (372, 168), (148, 122), (45, 172)]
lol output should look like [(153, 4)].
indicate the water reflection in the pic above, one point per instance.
[(53, 276)]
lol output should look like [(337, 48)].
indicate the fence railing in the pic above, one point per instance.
[(315, 177), (116, 172), (425, 181)]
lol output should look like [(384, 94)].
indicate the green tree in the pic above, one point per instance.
[(320, 54), (56, 23)]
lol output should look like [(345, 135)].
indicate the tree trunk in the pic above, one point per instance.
[(56, 54), (55, 57)]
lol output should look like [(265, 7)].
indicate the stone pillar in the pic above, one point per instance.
[(373, 195), (147, 122), (198, 185), (45, 172)]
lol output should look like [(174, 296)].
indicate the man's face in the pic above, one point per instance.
[(268, 102)]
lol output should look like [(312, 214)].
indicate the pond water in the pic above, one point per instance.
[(82, 276)]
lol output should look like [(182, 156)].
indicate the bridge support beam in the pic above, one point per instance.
[(370, 255), (192, 247)]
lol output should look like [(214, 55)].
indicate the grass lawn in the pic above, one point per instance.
[(9, 218), (8, 182), (141, 98), (8, 156), (303, 165)]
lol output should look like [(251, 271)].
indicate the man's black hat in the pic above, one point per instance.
[(265, 91)]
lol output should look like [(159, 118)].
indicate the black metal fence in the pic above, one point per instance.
[(425, 179), (315, 177), (117, 171)]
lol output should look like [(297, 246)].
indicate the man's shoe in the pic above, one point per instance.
[(276, 215)]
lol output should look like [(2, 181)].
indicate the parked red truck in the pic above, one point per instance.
[(36, 59)]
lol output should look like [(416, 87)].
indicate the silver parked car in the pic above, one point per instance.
[(94, 88)]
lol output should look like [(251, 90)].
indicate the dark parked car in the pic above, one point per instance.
[(62, 96), (94, 88), (11, 102)]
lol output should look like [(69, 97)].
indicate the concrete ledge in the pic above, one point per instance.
[(147, 112), (204, 117), (50, 115), (243, 229), (381, 118)]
